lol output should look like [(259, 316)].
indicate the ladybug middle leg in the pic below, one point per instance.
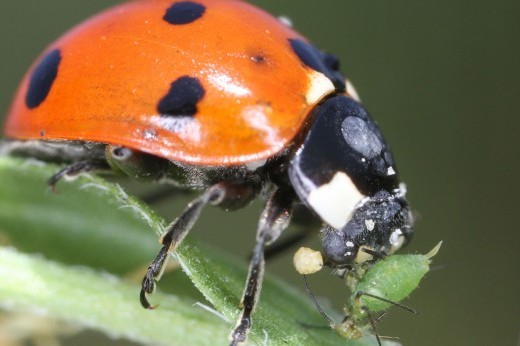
[(225, 194), (306, 224), (274, 219)]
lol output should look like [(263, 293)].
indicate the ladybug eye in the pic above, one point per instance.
[(337, 249)]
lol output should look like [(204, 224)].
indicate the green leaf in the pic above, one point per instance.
[(91, 227), (100, 301)]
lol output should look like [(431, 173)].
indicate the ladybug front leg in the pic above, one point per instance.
[(274, 219), (225, 194), (76, 169), (306, 224)]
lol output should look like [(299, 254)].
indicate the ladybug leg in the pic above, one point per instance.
[(307, 225), (78, 168), (225, 194), (274, 219), (54, 151)]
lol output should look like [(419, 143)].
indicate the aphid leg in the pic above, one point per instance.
[(381, 316), (373, 321), (76, 169), (373, 324), (274, 219), (402, 306), (220, 194)]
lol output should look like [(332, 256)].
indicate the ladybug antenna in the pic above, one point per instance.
[(376, 254), (317, 304)]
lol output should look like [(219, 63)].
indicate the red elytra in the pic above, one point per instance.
[(112, 71)]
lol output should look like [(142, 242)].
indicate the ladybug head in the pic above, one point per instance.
[(345, 173), (380, 225)]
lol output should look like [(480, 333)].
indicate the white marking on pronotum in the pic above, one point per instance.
[(319, 87), (212, 311), (335, 201), (390, 171), (352, 91), (370, 224)]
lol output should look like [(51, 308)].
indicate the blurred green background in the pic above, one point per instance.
[(442, 79)]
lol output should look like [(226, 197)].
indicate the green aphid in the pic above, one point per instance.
[(386, 283)]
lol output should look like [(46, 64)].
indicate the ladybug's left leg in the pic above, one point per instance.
[(78, 168), (80, 156), (229, 195), (274, 219)]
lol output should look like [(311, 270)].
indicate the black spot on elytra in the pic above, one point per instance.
[(319, 61), (42, 78), (307, 54), (184, 12), (182, 98)]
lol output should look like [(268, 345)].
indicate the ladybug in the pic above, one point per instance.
[(218, 96)]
